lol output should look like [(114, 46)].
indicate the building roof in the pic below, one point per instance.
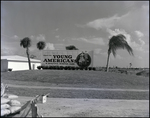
[(19, 58)]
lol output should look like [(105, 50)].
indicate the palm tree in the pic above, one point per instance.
[(41, 45), (71, 47), (117, 42), (26, 43)]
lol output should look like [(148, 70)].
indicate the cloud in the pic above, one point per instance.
[(120, 31), (97, 51), (103, 22), (141, 41), (111, 56), (57, 36), (97, 41), (15, 37), (119, 57), (60, 46), (49, 46), (138, 18), (133, 44), (8, 51), (41, 37), (32, 37), (104, 54), (139, 34), (139, 57), (57, 29)]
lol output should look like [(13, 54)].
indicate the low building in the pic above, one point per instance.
[(17, 63)]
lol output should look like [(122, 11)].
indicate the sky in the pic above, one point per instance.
[(88, 25)]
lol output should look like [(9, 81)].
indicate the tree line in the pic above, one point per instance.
[(115, 43)]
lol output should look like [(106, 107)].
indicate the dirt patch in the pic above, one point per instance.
[(64, 107)]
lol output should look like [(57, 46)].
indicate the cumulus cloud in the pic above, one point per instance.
[(49, 46), (32, 37), (60, 46), (97, 41), (139, 34), (132, 20), (133, 44), (120, 31), (141, 41), (103, 22), (139, 57), (41, 37), (138, 18)]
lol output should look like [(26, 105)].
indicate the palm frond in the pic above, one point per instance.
[(129, 49), (41, 45), (119, 42), (25, 42)]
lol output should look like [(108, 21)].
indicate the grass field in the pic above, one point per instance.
[(76, 78)]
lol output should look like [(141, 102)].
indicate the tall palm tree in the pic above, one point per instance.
[(26, 43), (41, 45), (117, 42)]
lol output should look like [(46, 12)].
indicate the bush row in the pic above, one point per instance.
[(65, 68)]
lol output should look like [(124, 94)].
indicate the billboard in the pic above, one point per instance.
[(67, 58)]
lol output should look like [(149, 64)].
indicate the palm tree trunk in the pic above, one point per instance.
[(107, 68), (27, 51)]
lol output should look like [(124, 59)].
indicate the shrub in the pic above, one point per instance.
[(54, 67), (57, 67), (66, 68), (94, 68), (50, 67), (39, 67), (76, 68), (72, 68), (9, 69), (61, 67), (44, 67), (90, 68)]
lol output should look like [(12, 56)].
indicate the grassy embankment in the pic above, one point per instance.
[(76, 78)]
